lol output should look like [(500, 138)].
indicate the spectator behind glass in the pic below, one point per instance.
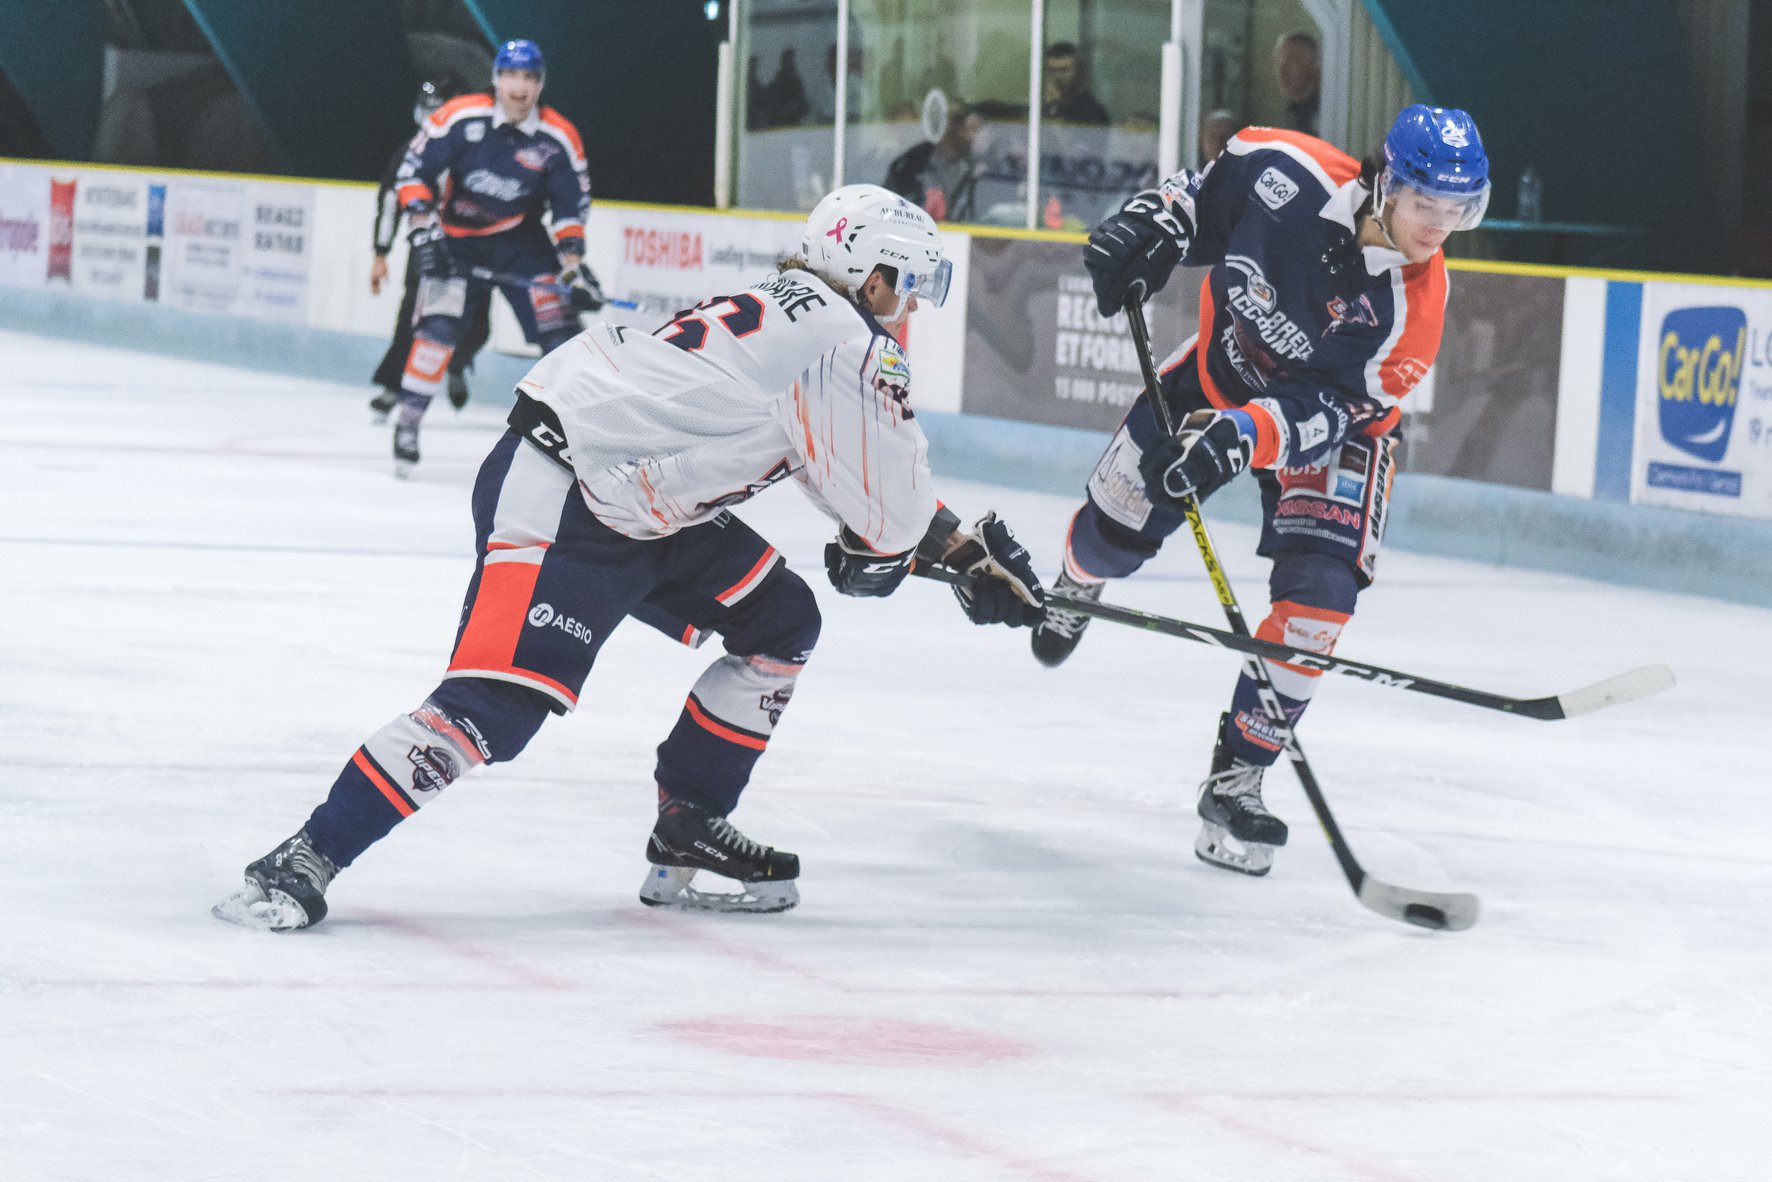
[(783, 98), (1216, 130), (1067, 97), (941, 175), (1298, 75)]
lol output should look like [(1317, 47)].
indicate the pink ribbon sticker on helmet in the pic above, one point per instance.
[(837, 231)]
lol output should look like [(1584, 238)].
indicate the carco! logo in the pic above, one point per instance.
[(1698, 370), (541, 615)]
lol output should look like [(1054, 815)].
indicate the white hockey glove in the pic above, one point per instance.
[(582, 289), (1003, 588)]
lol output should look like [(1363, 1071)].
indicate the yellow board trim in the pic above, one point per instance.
[(1478, 266)]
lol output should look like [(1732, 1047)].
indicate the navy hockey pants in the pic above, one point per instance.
[(1322, 525), (550, 584)]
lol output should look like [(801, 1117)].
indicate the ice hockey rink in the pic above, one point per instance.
[(1007, 963)]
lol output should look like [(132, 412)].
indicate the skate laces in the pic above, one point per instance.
[(726, 832), (310, 863), (1061, 620), (1240, 780)]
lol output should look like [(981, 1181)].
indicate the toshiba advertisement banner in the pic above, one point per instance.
[(1704, 400), (676, 258)]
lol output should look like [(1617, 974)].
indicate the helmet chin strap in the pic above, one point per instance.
[(1378, 210)]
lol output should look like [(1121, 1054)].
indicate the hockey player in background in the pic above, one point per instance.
[(1321, 309), (475, 182), (475, 320), (608, 498)]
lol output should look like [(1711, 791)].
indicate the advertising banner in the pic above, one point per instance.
[(24, 226), (684, 257), (110, 231), (237, 248), (1704, 400), (1036, 348)]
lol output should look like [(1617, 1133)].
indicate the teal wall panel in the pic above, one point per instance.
[(330, 80), (54, 52)]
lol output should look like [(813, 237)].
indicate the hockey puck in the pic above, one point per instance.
[(1424, 916)]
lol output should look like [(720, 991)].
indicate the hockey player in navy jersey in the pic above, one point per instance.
[(1320, 310), (475, 183), (608, 499)]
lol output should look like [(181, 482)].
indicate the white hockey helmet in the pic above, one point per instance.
[(860, 227)]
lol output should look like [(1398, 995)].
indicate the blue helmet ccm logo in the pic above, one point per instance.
[(1698, 372)]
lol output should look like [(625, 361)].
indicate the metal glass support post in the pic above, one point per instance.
[(839, 144), (1036, 62)]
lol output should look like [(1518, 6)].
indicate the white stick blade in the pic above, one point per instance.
[(1436, 910), (1626, 687)]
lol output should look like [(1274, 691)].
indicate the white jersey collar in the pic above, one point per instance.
[(1343, 208), (530, 125)]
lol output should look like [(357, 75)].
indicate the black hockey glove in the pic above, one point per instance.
[(1134, 251), (1198, 461), (583, 289), (1003, 588), (857, 570), (430, 251)]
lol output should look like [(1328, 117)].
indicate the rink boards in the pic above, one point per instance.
[(1609, 424)]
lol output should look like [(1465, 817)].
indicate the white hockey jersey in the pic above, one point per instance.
[(787, 378)]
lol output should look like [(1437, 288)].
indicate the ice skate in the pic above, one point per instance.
[(1057, 636), (690, 839), (458, 389), (1236, 830), (284, 890), (382, 405), (405, 449)]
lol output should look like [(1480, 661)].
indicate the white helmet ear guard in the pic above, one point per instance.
[(860, 227)]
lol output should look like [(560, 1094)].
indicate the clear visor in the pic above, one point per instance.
[(930, 286), (1442, 211)]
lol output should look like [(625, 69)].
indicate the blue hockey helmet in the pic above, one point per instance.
[(520, 54), (1437, 152)]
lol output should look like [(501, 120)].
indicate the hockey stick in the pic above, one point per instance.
[(1610, 691), (488, 275), (1429, 909)]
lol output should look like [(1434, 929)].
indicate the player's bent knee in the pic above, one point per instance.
[(496, 718), (780, 619)]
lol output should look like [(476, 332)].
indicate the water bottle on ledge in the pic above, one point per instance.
[(1530, 207)]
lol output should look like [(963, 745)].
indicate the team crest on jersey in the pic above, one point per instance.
[(475, 132), (1275, 188), (1344, 313), (535, 156), (892, 372)]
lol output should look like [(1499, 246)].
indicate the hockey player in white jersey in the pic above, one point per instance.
[(608, 499)]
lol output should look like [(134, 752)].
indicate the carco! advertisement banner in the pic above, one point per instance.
[(1704, 400)]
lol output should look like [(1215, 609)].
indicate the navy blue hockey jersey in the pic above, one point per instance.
[(1314, 335), (485, 174)]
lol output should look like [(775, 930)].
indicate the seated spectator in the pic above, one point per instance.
[(1067, 98), (1216, 130), (941, 175), (1298, 75)]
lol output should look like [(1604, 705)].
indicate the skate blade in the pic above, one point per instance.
[(403, 468), (670, 887), (1216, 847), (251, 907)]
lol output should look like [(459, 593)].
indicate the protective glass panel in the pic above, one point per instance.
[(1100, 86), (786, 104), (1261, 64), (937, 105)]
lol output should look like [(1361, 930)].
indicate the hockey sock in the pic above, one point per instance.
[(413, 406), (1250, 733), (1098, 548), (724, 729), (404, 765)]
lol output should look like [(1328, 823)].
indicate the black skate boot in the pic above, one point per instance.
[(458, 389), (1236, 830), (405, 449), (284, 890), (382, 404), (689, 838), (1057, 636)]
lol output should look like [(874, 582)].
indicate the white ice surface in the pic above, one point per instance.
[(1007, 963)]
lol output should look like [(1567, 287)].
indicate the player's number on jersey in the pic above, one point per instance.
[(689, 331)]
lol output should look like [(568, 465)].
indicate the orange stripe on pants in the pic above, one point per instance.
[(496, 621)]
